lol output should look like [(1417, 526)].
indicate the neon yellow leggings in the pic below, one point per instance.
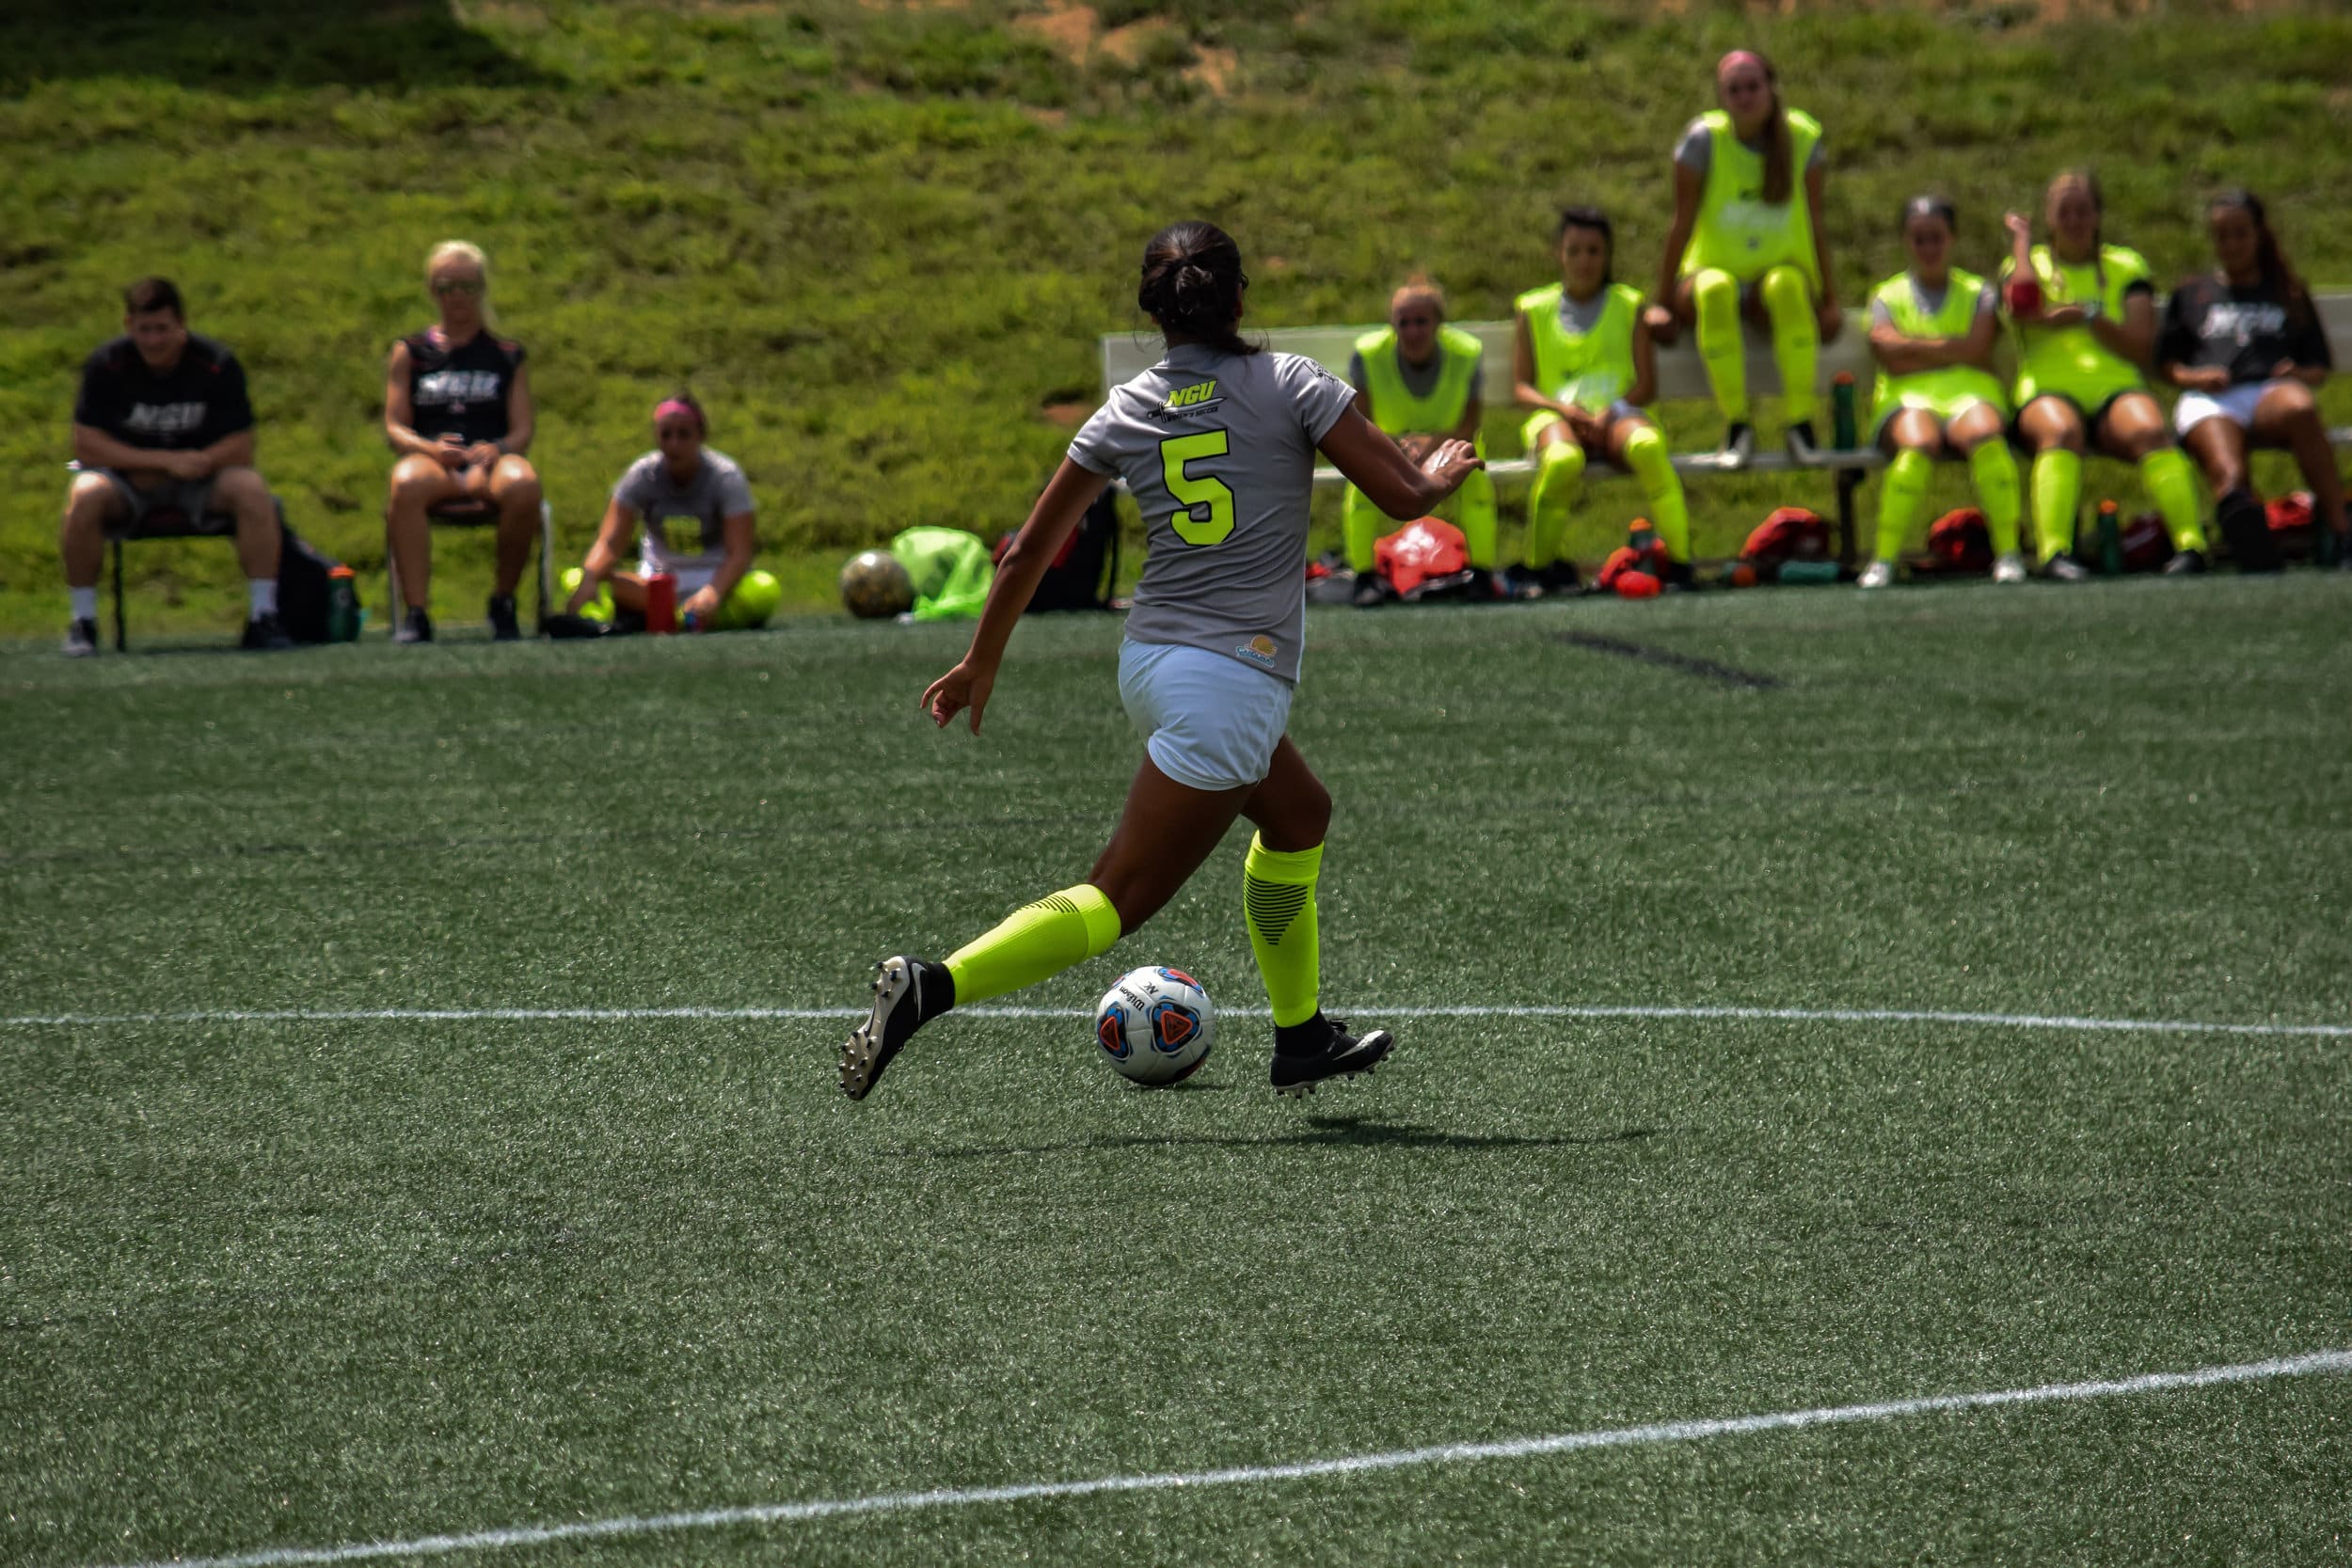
[(1473, 512), (1796, 338)]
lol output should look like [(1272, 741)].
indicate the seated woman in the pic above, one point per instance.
[(457, 409), (1746, 239), (1584, 363), (2085, 317), (2245, 346), (695, 509), (1931, 330), (1417, 379)]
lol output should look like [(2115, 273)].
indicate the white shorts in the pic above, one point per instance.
[(2235, 404), (1208, 720)]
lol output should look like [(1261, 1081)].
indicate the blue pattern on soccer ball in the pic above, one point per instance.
[(1174, 1026)]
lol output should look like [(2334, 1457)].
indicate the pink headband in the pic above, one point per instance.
[(671, 405), (1740, 57)]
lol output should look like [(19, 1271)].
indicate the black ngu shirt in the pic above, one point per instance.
[(2247, 331), (461, 391), (201, 399)]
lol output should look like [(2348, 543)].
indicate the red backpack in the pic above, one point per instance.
[(1424, 548), (1960, 543)]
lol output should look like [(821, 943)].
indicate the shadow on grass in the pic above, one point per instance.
[(1319, 1132), (253, 46)]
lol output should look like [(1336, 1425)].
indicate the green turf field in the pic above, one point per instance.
[(315, 1282)]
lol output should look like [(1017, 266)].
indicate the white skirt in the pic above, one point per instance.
[(1208, 720), (2235, 404)]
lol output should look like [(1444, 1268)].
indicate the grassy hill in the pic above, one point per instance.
[(881, 238)]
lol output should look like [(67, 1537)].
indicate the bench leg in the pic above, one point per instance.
[(546, 566), (1848, 480), (123, 639)]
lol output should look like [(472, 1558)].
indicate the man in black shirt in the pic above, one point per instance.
[(163, 432)]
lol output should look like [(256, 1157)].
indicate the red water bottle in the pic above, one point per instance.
[(661, 602)]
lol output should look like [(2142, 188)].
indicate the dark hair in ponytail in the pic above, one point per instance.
[(1192, 284), (2278, 277), (1931, 205), (1596, 220)]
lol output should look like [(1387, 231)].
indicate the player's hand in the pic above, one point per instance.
[(702, 604), (1416, 447), (483, 455), (187, 465), (583, 594), (2062, 315), (963, 686), (450, 452), (1451, 462), (2205, 378), (1662, 326), (2020, 227)]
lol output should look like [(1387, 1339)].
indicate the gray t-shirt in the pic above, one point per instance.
[(1220, 448), (1932, 300), (1695, 152), (1419, 380), (684, 524)]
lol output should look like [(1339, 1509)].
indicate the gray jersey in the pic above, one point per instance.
[(1219, 453), (684, 524)]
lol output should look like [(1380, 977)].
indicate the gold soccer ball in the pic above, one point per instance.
[(874, 586)]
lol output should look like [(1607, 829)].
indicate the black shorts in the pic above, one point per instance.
[(167, 509), (2091, 420)]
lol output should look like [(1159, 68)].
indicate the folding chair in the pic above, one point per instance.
[(168, 522), (481, 512)]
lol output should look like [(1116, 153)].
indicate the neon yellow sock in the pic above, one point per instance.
[(1033, 942), (1475, 514), (2057, 491), (1653, 468), (1995, 473), (1900, 500), (1796, 338), (1716, 293), (1359, 525), (1558, 467), (1278, 901), (2172, 484)]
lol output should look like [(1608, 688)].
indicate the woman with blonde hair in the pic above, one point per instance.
[(1747, 238), (457, 410), (1417, 379)]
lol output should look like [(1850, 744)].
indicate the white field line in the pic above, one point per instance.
[(1587, 1010), (1449, 1454)]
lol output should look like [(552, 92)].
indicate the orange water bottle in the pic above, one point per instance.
[(661, 602)]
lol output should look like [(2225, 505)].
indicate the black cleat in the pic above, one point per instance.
[(2187, 563), (908, 993), (1739, 446), (264, 633), (1802, 445), (1679, 579), (1371, 593), (1296, 1071), (416, 628), (2064, 568), (80, 638), (503, 626)]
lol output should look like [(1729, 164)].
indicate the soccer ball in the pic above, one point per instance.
[(1155, 1025), (874, 585)]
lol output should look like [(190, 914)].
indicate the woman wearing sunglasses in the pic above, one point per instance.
[(457, 410)]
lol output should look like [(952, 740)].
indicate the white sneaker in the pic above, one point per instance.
[(1878, 573), (2010, 568)]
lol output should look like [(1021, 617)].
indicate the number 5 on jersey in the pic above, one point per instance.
[(1205, 506)]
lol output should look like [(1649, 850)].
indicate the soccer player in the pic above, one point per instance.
[(1217, 443), (698, 525), (457, 410), (163, 422), (1933, 328), (1584, 362), (1417, 379), (1745, 237), (2244, 345), (2085, 317)]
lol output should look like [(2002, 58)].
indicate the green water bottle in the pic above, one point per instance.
[(1841, 397), (2110, 540), (342, 605)]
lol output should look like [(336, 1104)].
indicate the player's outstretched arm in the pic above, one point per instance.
[(1377, 466), (1068, 495)]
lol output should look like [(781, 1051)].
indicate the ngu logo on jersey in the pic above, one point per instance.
[(457, 386)]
